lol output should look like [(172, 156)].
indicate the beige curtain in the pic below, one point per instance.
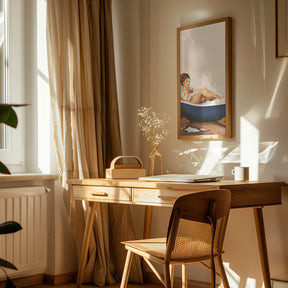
[(86, 125)]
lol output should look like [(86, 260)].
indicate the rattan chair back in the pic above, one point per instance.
[(196, 224)]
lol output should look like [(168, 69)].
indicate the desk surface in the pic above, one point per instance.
[(243, 194), (162, 184)]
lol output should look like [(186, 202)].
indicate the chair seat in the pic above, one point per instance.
[(153, 246), (156, 247)]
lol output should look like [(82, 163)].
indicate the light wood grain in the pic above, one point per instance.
[(244, 194), (132, 191)]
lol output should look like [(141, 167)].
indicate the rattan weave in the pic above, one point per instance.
[(197, 223)]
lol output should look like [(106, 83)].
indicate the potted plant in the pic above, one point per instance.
[(9, 117), (7, 228)]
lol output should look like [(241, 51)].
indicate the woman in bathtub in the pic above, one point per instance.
[(196, 97)]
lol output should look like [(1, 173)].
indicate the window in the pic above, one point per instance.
[(25, 72), (2, 66), (12, 80)]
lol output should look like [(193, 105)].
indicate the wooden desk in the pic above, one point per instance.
[(243, 194)]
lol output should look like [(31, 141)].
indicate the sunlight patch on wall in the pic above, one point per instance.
[(279, 79), (206, 158), (250, 152), (263, 36), (233, 277), (212, 158), (265, 154), (249, 155), (43, 91), (250, 283), (259, 39), (187, 152)]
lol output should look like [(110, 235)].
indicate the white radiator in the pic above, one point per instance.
[(26, 249)]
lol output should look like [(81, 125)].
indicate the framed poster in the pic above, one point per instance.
[(204, 80), (281, 28)]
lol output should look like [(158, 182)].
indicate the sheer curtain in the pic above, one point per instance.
[(86, 124)]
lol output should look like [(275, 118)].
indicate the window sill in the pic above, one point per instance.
[(27, 177)]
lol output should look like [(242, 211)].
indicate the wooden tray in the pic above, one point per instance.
[(125, 171)]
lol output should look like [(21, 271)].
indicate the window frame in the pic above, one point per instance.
[(13, 153)]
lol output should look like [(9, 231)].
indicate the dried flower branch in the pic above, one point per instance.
[(153, 125)]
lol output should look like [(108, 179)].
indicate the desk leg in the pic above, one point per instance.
[(85, 244), (260, 229), (147, 222)]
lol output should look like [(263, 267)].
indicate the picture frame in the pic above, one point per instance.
[(204, 80), (281, 9)]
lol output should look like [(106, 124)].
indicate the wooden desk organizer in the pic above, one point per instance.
[(125, 171)]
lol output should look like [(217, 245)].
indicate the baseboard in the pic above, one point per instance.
[(60, 279), (39, 279), (66, 278), (26, 281)]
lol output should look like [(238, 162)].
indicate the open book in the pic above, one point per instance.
[(183, 178)]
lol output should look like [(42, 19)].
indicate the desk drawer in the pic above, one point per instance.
[(102, 194), (157, 197)]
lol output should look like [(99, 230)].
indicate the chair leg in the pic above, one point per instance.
[(184, 276), (166, 276), (126, 270), (171, 266), (222, 272), (212, 278)]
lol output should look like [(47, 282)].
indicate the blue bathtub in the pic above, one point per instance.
[(204, 112)]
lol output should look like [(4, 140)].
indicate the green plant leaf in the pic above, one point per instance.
[(8, 116), (4, 169), (9, 283), (7, 264), (9, 227)]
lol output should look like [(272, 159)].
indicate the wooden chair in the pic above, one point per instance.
[(195, 234)]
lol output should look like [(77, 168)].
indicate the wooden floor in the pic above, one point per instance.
[(73, 285)]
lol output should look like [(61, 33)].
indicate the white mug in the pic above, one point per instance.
[(240, 173)]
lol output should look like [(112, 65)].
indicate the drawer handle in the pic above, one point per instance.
[(105, 194), (167, 199)]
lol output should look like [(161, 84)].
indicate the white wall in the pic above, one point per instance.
[(146, 57)]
